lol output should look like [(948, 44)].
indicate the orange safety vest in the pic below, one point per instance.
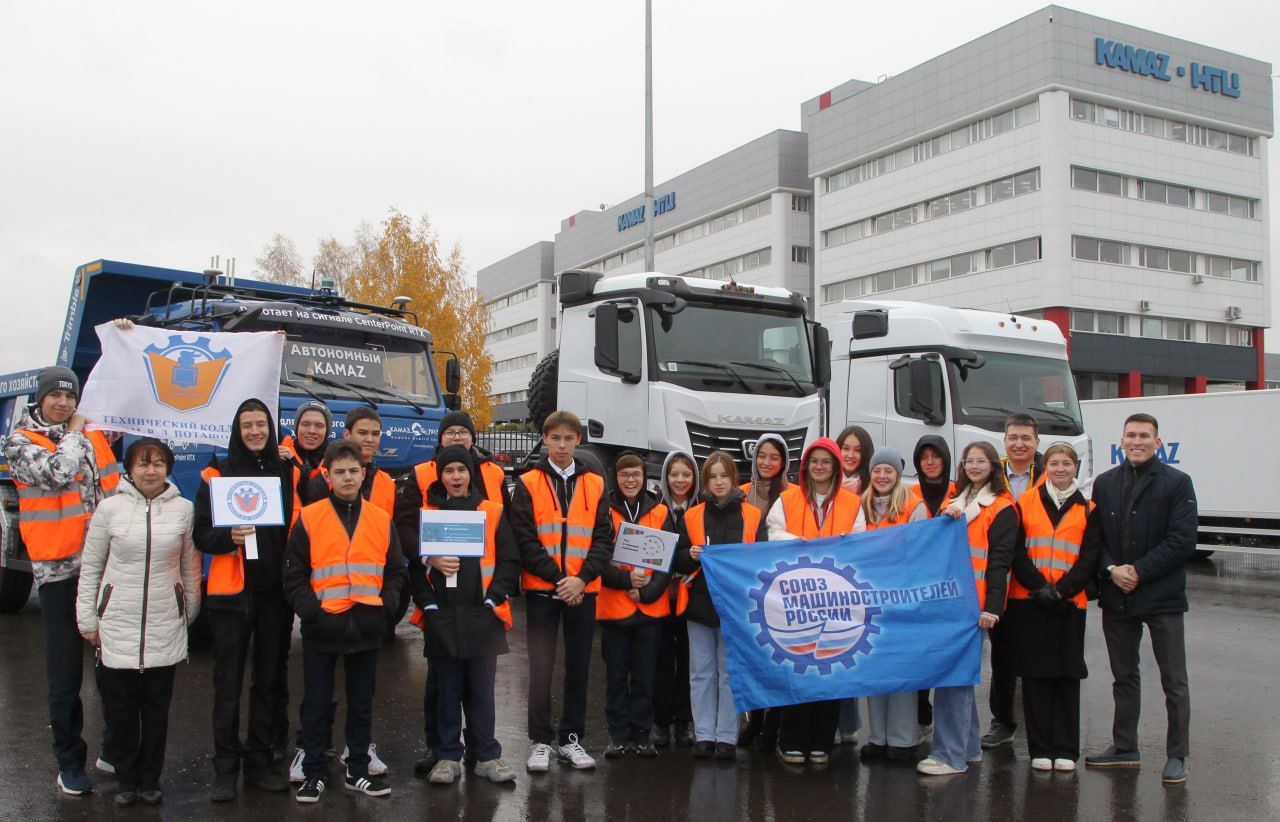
[(613, 603), (492, 514), (903, 517), (1053, 549), (979, 545), (226, 571), (52, 521), (917, 496), (288, 442), (492, 475), (695, 527), (842, 513), (555, 528), (346, 570)]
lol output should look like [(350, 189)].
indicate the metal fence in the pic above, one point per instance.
[(509, 448)]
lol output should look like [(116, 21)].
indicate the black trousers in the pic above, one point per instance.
[(280, 697), (671, 676), (64, 671), (924, 709), (265, 628), (1004, 677), (466, 685), (543, 618), (630, 657), (138, 710), (318, 670), (1051, 708), (1124, 638), (809, 727)]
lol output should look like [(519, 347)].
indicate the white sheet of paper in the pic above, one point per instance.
[(251, 545), (451, 534), (246, 501), (451, 581), (644, 547)]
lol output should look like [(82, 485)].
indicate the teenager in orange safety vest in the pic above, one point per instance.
[(312, 423), (678, 488), (935, 488), (363, 426), (1053, 564), (465, 612), (983, 500), (630, 608), (723, 518), (246, 607), (561, 521), (817, 506), (62, 472), (892, 721), (345, 570)]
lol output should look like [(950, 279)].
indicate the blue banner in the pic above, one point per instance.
[(888, 611)]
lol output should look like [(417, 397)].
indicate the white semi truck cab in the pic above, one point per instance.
[(903, 369), (654, 363)]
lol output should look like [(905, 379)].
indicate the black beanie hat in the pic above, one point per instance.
[(458, 418), (138, 444), (55, 377), (451, 454)]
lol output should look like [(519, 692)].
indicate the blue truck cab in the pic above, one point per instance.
[(340, 352)]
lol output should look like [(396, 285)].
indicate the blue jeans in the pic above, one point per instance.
[(630, 659), (64, 669), (891, 720), (850, 722), (714, 717), (956, 735), (466, 685)]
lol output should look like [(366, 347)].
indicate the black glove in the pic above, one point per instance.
[(1047, 597), (1065, 604)]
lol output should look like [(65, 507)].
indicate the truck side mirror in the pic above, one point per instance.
[(606, 353), (871, 323), (452, 401), (452, 376), (922, 374), (821, 355)]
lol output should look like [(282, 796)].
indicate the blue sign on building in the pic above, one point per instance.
[(1157, 64), (665, 203)]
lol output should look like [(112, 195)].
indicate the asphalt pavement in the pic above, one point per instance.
[(1234, 654)]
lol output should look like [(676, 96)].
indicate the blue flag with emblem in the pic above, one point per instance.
[(886, 611)]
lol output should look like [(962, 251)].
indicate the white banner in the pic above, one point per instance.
[(183, 387)]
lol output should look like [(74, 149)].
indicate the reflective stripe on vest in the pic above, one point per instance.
[(492, 515), (695, 528), (52, 521), (842, 513), (979, 544), (493, 476), (614, 603), (1052, 549), (226, 571), (570, 535), (346, 570)]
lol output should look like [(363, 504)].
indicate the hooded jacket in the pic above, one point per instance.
[(675, 515), (140, 578), (776, 521), (933, 493), (263, 575), (761, 493), (723, 523), (458, 623)]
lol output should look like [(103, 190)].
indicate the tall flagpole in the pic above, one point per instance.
[(648, 136)]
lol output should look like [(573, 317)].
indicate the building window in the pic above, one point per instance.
[(1179, 330), (512, 299), (799, 253), (1165, 259), (507, 333), (515, 363), (1152, 327), (725, 269), (1098, 386), (1157, 191), (1023, 251), (800, 203), (1163, 386), (1098, 322), (1101, 114)]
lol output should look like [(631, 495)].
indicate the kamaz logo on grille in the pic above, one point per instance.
[(737, 420), (749, 448)]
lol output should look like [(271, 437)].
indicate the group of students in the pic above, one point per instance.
[(116, 558)]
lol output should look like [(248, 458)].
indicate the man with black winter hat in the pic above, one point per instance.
[(246, 605), (312, 423)]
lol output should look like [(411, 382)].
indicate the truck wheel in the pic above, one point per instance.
[(15, 585), (542, 389), (598, 459)]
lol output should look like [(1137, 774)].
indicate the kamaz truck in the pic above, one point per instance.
[(654, 363), (340, 352)]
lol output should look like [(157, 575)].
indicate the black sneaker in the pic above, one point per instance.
[(872, 750), (368, 785), (126, 797), (616, 750), (644, 749), (424, 765), (265, 779), (998, 734), (660, 736), (224, 787), (684, 735), (704, 750), (309, 791), (726, 751), (151, 796)]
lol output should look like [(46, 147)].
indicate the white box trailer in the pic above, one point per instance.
[(1229, 444)]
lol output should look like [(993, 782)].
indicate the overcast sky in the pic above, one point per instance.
[(164, 133)]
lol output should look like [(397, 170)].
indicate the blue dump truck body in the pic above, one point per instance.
[(343, 353)]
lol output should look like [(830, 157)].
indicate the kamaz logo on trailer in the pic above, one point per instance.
[(1148, 63), (1168, 453)]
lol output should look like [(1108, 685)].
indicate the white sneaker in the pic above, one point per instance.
[(1064, 764), (296, 776), (376, 766), (539, 758), (1042, 763), (935, 767), (575, 755), (104, 766)]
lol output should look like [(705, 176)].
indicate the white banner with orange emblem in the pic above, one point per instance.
[(181, 386)]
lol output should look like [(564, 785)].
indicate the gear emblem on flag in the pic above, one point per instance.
[(811, 614)]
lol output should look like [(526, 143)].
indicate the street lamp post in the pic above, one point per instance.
[(648, 135)]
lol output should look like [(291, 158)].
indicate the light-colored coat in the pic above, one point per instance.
[(140, 578)]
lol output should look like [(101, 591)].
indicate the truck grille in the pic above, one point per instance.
[(739, 443)]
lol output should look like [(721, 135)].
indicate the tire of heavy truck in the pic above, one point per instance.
[(542, 389), (15, 585)]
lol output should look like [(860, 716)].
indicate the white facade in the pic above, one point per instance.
[(520, 294)]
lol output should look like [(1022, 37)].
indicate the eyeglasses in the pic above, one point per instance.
[(630, 475), (976, 463), (454, 435)]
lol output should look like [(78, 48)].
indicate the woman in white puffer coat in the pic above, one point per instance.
[(139, 590)]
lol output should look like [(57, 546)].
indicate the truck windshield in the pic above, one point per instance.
[(1010, 383), (744, 351), (324, 359)]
